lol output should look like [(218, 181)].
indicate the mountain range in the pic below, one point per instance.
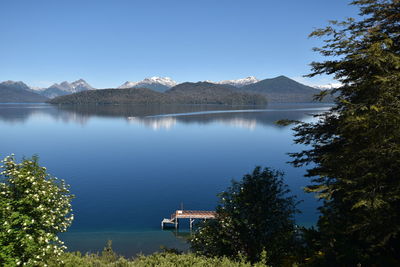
[(278, 89), (162, 84), (65, 88)]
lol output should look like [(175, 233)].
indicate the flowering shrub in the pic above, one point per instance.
[(34, 208)]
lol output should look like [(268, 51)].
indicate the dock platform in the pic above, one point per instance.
[(192, 215)]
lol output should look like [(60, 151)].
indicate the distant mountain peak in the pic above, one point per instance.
[(162, 80), (239, 82), (282, 77), (64, 83), (73, 87), (16, 84), (81, 84), (10, 82), (65, 88), (155, 83)]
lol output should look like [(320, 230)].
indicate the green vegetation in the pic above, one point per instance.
[(157, 259), (108, 258), (186, 93), (355, 148), (255, 215), (34, 208)]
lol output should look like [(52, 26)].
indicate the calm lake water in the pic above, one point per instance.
[(130, 167)]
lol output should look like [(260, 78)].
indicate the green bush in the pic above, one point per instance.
[(108, 258), (34, 208), (157, 259)]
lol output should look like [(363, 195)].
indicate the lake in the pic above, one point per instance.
[(131, 166)]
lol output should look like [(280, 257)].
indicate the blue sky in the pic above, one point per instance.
[(110, 42)]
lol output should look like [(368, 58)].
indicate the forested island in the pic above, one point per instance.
[(185, 93)]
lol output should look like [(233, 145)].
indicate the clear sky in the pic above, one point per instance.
[(108, 42)]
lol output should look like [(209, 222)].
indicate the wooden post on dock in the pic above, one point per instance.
[(191, 221)]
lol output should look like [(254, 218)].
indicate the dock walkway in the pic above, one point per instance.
[(187, 214)]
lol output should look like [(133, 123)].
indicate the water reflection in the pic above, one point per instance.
[(21, 113), (166, 117), (154, 123)]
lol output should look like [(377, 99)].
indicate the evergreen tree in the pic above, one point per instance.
[(255, 215), (355, 147)]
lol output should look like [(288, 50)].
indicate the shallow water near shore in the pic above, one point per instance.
[(131, 166)]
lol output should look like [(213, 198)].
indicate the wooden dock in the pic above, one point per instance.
[(187, 214)]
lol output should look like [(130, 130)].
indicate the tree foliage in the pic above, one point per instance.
[(34, 208), (255, 215), (355, 147)]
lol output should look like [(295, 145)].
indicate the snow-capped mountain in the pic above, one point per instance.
[(239, 82), (328, 86), (37, 88), (16, 85), (77, 86), (65, 88), (160, 84), (80, 85)]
